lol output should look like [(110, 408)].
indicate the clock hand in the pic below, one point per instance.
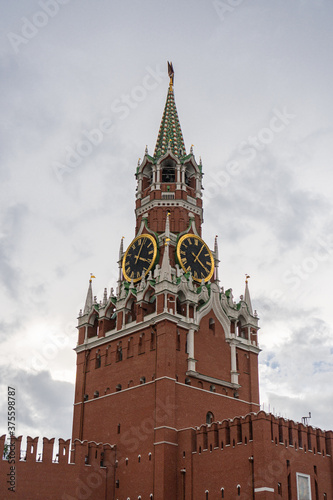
[(198, 254), (141, 258), (205, 268), (137, 256), (196, 257)]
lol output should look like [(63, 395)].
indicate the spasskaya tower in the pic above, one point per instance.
[(171, 349)]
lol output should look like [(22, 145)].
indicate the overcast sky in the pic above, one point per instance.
[(83, 86)]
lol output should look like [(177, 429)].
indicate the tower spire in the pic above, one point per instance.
[(170, 133), (89, 299), (247, 298)]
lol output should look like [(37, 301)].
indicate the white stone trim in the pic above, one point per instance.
[(169, 203), (165, 427), (215, 305), (221, 395), (125, 389), (264, 488), (137, 327), (217, 381)]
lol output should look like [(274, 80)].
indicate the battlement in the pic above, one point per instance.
[(255, 427), (81, 453)]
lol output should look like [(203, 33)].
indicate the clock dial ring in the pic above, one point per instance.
[(139, 257), (194, 255)]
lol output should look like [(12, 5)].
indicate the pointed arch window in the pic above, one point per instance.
[(108, 355), (119, 351), (142, 343), (98, 361), (209, 418), (130, 347)]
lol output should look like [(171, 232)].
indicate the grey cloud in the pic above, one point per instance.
[(43, 404)]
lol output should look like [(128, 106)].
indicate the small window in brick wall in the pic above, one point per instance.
[(212, 326), (119, 354), (98, 360), (108, 355), (96, 394), (209, 417), (142, 343), (152, 341), (130, 347), (178, 341)]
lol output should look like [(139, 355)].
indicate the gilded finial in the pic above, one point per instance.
[(91, 277), (171, 74), (247, 278)]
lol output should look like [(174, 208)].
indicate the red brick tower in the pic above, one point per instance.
[(171, 350)]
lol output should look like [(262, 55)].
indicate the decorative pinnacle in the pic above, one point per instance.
[(247, 278), (91, 277)]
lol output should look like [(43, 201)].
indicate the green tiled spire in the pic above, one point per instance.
[(170, 131)]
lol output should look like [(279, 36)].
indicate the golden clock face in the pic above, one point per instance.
[(139, 257), (194, 256)]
